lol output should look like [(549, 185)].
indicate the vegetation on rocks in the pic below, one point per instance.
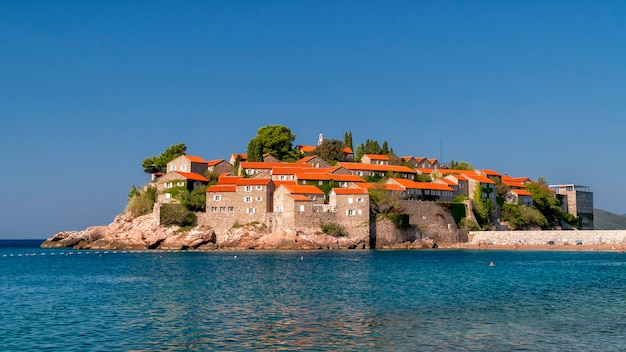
[(140, 201), (333, 229), (176, 214)]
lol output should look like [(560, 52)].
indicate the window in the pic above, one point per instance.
[(320, 182), (360, 211), (359, 173), (278, 209), (359, 200), (350, 212), (168, 196), (214, 209), (248, 199), (302, 208), (279, 196), (183, 168), (168, 185), (248, 188), (259, 199), (180, 184), (250, 210), (217, 197), (231, 209), (173, 168), (316, 164), (350, 200), (304, 182), (313, 197), (223, 209), (259, 188)]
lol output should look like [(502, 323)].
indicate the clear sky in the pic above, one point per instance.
[(89, 89)]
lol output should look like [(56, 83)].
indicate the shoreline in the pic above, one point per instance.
[(618, 248)]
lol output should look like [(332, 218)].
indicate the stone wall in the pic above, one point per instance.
[(433, 220), (591, 237)]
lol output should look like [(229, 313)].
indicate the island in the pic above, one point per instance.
[(279, 195)]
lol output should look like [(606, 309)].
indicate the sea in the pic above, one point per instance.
[(359, 300)]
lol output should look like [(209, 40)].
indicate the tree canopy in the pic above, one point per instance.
[(275, 140), (330, 150), (159, 163), (545, 201)]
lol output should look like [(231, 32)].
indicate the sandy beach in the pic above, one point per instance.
[(544, 247)]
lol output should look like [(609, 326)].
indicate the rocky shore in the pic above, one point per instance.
[(126, 232)]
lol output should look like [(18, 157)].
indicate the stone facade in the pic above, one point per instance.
[(578, 201), (188, 163), (173, 182)]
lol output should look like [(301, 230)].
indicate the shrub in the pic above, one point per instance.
[(141, 202), (176, 214), (333, 229), (400, 220), (469, 225), (196, 199), (521, 216)]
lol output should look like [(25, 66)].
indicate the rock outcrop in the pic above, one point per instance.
[(129, 233), (126, 232)]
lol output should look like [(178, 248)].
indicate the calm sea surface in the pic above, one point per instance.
[(422, 300)]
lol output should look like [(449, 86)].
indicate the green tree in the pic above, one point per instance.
[(385, 148), (483, 209), (275, 140), (159, 163), (369, 147), (255, 150), (521, 216), (461, 165), (545, 201), (330, 150), (176, 214), (347, 140), (141, 202), (195, 200)]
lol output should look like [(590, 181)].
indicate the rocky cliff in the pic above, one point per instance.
[(129, 233)]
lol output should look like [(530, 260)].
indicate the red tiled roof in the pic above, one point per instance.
[(346, 178), (350, 191), (521, 192), (377, 156), (512, 183), (280, 183), (195, 159), (421, 185), (302, 189), (375, 167), (305, 159), (298, 197), (425, 170), (348, 150), (242, 156), (480, 178), (192, 176), (307, 148), (491, 173), (313, 176), (214, 162), (222, 188)]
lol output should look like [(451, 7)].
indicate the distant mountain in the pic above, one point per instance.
[(604, 220)]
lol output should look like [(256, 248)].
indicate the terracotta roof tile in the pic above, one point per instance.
[(195, 159), (192, 176), (222, 188), (302, 189), (421, 185), (299, 197), (521, 192), (350, 191), (377, 156), (214, 162)]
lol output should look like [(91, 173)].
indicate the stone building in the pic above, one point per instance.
[(172, 183), (577, 201), (188, 163)]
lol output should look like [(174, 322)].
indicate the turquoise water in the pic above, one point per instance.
[(423, 300)]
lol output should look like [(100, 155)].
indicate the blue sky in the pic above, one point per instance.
[(89, 89)]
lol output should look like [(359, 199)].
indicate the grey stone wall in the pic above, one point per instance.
[(592, 237)]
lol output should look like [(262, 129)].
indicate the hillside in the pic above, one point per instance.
[(604, 220)]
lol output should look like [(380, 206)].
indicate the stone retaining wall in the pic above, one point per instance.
[(592, 237)]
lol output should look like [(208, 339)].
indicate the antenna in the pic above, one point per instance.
[(441, 150)]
